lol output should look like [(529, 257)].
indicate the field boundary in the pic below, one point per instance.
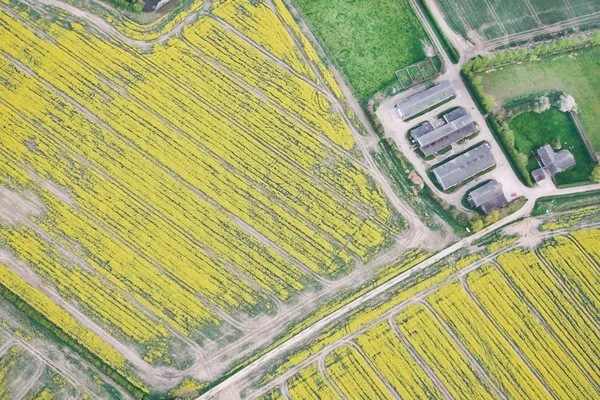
[(420, 67), (584, 137)]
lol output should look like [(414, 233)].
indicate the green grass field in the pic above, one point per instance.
[(577, 74), (368, 40), (477, 20), (533, 130)]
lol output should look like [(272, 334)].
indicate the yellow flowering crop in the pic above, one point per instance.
[(438, 350), (515, 320), (396, 364), (310, 384), (501, 363), (63, 320), (353, 375), (210, 174), (558, 310)]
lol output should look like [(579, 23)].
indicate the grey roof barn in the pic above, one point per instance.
[(488, 197), (464, 166), (538, 174), (459, 124), (555, 163), (419, 102)]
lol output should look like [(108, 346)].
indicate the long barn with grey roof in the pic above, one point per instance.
[(488, 197), (419, 102), (459, 125), (465, 166)]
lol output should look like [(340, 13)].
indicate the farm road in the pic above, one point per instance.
[(305, 336)]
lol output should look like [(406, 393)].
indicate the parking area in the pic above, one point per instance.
[(396, 128)]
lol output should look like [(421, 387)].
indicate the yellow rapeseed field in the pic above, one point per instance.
[(443, 355), (310, 384), (64, 321), (353, 376), (396, 364), (555, 305), (513, 318), (501, 363), (205, 177), (521, 325)]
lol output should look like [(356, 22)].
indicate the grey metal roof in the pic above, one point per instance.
[(494, 204), (555, 162), (455, 114), (464, 166), (447, 134), (421, 130), (419, 102), (538, 174), (489, 197)]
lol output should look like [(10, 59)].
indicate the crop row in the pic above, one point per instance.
[(260, 24), (568, 219), (76, 332), (133, 153), (523, 328)]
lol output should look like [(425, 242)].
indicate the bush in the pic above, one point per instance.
[(475, 86), (481, 63), (506, 138), (595, 175), (477, 225), (492, 217)]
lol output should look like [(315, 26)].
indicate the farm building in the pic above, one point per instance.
[(488, 197), (458, 125), (419, 102), (464, 166), (557, 162), (422, 130), (538, 174)]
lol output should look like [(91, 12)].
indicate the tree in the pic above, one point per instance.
[(477, 225), (555, 143), (545, 49), (509, 137), (521, 158), (541, 104), (488, 103), (492, 217), (567, 103), (595, 175)]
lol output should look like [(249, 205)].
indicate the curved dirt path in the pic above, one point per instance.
[(108, 29)]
